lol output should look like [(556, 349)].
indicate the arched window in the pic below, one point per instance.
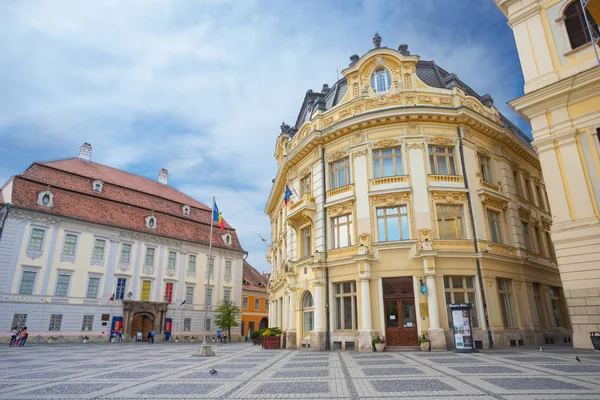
[(576, 27), (381, 81), (308, 313)]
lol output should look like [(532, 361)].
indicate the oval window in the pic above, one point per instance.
[(46, 199), (151, 223), (381, 81)]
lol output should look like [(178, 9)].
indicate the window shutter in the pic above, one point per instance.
[(576, 27)]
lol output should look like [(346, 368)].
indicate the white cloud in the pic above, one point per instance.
[(201, 87)]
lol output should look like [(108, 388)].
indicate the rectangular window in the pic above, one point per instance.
[(19, 321), (245, 303), (528, 192), (88, 323), (93, 285), (506, 303), (441, 159), (189, 295), (208, 324), (495, 226), (305, 242), (126, 253), (450, 219), (55, 322), (227, 295), (256, 304), (554, 299), (121, 286), (171, 263), (485, 169), (169, 292), (538, 192), (387, 162), (228, 269), (392, 223), (70, 245), (146, 286), (98, 253), (550, 245), (339, 173), (517, 181), (527, 236), (37, 239), (266, 305), (342, 231), (192, 263), (62, 285), (461, 289), (187, 324), (209, 292), (149, 259), (539, 242), (345, 302), (27, 282), (538, 303), (305, 185), (211, 266)]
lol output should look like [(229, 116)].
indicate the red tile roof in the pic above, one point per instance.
[(253, 280)]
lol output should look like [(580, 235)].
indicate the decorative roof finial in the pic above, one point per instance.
[(377, 40)]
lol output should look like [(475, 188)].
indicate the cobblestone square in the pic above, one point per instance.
[(163, 371)]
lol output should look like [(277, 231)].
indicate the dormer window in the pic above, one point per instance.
[(226, 239), (185, 209), (381, 81), (97, 185), (151, 222), (46, 199)]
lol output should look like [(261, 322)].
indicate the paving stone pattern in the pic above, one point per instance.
[(167, 371)]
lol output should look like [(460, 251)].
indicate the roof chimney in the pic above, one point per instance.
[(163, 177), (85, 152)]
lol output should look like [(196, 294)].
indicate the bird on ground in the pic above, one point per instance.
[(577, 358), (213, 371), (541, 348)]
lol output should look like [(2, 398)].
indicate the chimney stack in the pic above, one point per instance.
[(85, 152), (163, 177)]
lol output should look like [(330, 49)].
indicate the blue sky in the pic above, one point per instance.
[(201, 87)]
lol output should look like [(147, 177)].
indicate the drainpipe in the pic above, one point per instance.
[(477, 260), (7, 206), (327, 328)]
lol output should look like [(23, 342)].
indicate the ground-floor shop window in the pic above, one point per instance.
[(55, 322), (345, 302), (19, 321), (187, 324), (88, 323), (461, 289), (506, 303)]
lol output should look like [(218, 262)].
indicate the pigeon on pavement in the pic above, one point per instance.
[(577, 358), (213, 371)]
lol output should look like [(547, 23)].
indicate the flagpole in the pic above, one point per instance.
[(212, 218)]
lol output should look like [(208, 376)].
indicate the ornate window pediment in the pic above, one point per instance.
[(97, 185)]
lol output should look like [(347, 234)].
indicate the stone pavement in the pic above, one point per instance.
[(164, 371)]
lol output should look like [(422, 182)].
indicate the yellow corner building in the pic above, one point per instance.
[(408, 191)]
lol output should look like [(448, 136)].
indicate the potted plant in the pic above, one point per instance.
[(256, 336), (85, 339), (379, 343), (271, 338), (424, 343), (176, 339)]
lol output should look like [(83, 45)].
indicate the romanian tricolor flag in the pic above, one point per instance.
[(217, 216), (287, 196)]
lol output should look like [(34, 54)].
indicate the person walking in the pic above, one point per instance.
[(13, 336), (23, 336), (149, 336), (120, 335), (153, 333), (219, 337)]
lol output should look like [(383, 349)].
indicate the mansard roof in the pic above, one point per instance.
[(124, 202), (254, 280)]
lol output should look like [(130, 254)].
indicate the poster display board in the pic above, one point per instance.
[(463, 333)]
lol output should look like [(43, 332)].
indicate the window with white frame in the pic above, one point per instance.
[(461, 289), (228, 269), (450, 221), (187, 324), (211, 266), (387, 162), (227, 295), (392, 223), (191, 263), (185, 209), (172, 261), (308, 314), (151, 222), (88, 323), (495, 226), (339, 173), (55, 322), (342, 231), (92, 289), (99, 245), (189, 295), (149, 259), (305, 185), (256, 304), (305, 241), (209, 293), (70, 244), (27, 282), (381, 81), (245, 303), (506, 303), (121, 287), (46, 199), (62, 285), (36, 239), (345, 305), (485, 168), (19, 321), (441, 159), (97, 185), (126, 253)]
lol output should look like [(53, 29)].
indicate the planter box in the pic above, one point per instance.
[(271, 342), (425, 346)]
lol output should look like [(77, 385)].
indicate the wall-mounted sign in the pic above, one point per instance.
[(463, 333)]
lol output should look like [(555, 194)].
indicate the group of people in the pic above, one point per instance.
[(221, 336), (18, 336), (151, 336)]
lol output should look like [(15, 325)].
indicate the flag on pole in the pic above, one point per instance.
[(287, 195), (262, 238), (112, 298), (217, 217), (182, 303)]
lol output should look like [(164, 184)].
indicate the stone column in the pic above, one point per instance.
[(436, 333), (317, 336), (291, 336), (366, 328)]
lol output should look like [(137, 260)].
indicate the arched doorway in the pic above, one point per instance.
[(141, 322), (263, 323), (308, 313)]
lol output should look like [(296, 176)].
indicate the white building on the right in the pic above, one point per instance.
[(562, 103)]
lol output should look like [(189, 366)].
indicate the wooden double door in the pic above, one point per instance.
[(400, 322)]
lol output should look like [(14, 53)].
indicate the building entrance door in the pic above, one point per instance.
[(141, 323), (400, 316)]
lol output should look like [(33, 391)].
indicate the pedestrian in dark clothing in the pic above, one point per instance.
[(24, 335), (152, 336), (14, 335)]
